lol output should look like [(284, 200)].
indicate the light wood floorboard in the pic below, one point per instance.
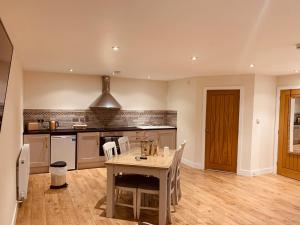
[(209, 197)]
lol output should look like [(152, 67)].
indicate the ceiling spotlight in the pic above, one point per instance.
[(149, 77), (115, 48), (251, 65), (296, 71), (71, 70), (194, 58), (115, 73)]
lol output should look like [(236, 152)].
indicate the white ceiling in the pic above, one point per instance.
[(156, 37)]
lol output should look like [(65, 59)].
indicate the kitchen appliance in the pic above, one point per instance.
[(106, 100), (107, 137), (33, 126), (53, 125), (79, 126), (63, 148)]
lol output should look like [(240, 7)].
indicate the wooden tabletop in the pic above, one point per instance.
[(128, 159)]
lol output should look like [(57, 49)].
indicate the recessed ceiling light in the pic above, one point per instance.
[(194, 58), (71, 70), (251, 65), (149, 77), (115, 73), (296, 71), (115, 48)]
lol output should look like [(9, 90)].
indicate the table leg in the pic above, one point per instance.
[(110, 191), (163, 197)]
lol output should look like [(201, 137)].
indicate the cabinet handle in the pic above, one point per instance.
[(46, 143), (98, 141)]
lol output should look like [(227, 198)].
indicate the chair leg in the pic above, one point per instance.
[(138, 205), (179, 191), (134, 203), (169, 204), (117, 195), (175, 193), (173, 200)]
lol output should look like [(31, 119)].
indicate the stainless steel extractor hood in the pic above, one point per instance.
[(106, 100)]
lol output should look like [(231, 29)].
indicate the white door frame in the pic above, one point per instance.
[(241, 121), (276, 129)]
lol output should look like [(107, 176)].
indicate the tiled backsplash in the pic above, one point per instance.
[(103, 117)]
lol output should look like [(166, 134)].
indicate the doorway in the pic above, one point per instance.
[(288, 163), (221, 129)]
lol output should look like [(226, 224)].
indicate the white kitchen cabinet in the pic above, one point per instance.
[(163, 137), (88, 146), (135, 137), (167, 138), (39, 152)]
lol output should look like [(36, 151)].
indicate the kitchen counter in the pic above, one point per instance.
[(61, 131)]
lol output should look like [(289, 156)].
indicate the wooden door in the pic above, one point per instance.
[(288, 163), (222, 123), (39, 149)]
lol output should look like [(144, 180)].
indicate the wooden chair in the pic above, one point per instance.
[(150, 185), (124, 144), (178, 192), (109, 148), (127, 183)]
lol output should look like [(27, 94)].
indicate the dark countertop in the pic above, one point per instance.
[(60, 131)]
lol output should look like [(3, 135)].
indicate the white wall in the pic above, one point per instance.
[(289, 80), (263, 124), (70, 91), (186, 96), (10, 143)]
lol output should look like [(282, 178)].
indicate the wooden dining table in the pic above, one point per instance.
[(157, 166)]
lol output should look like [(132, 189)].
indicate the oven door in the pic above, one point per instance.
[(105, 139)]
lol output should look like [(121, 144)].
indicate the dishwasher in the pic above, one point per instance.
[(63, 148)]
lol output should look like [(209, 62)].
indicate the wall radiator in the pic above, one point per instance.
[(23, 172)]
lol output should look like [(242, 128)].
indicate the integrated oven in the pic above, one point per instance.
[(108, 137)]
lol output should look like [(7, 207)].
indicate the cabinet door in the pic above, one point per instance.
[(88, 146), (167, 138), (39, 149), (135, 138), (151, 135)]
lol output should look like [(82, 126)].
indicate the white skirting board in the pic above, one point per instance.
[(14, 219), (255, 172), (240, 172), (192, 164)]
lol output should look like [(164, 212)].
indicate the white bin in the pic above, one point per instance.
[(58, 172)]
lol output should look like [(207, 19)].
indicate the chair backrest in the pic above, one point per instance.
[(183, 143), (179, 158), (180, 153), (124, 144), (109, 148), (175, 163)]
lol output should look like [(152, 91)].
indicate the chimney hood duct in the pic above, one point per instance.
[(106, 100)]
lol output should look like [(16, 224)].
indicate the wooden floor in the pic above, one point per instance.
[(208, 198)]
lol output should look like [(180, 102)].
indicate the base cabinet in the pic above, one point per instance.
[(88, 145), (167, 138), (39, 152), (163, 137)]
